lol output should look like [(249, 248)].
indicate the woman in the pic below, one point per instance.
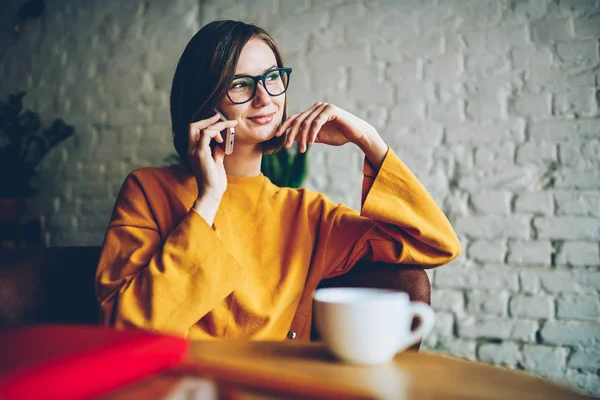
[(215, 250)]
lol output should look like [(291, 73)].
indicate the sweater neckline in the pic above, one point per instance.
[(246, 180)]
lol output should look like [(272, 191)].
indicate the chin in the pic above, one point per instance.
[(264, 133)]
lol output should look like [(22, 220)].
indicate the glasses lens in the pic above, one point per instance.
[(241, 89), (276, 82)]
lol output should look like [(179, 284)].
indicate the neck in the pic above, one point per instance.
[(244, 161)]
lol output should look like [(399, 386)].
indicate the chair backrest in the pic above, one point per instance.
[(44, 285)]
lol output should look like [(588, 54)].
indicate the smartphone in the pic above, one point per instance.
[(229, 135)]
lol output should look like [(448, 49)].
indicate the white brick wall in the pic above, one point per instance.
[(492, 103)]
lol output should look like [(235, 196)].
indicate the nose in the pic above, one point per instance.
[(262, 97)]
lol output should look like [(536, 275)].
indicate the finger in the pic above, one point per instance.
[(207, 136), (320, 117), (205, 139), (286, 124), (195, 128), (222, 125), (218, 155), (297, 124), (307, 126)]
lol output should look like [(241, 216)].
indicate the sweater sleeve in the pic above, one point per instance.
[(160, 283), (399, 223)]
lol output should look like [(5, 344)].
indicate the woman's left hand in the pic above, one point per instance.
[(328, 124)]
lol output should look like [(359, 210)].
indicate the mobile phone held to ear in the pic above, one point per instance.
[(229, 135)]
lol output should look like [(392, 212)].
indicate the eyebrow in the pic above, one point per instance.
[(271, 67)]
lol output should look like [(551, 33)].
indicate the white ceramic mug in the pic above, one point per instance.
[(369, 326)]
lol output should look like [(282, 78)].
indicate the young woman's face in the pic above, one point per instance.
[(258, 118)]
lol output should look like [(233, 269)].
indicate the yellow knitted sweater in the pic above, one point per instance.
[(252, 274)]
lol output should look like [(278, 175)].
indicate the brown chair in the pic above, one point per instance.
[(56, 284)]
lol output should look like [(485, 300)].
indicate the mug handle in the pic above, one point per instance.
[(427, 317)]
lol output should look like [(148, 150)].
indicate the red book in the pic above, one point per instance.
[(75, 362)]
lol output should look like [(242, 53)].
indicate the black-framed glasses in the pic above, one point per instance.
[(243, 88)]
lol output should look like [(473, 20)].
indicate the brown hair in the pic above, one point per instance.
[(205, 71)]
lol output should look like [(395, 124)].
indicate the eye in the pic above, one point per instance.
[(242, 83), (239, 85), (273, 76)]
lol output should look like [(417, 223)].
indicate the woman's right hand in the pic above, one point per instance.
[(206, 161)]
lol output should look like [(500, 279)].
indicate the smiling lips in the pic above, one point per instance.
[(263, 119)]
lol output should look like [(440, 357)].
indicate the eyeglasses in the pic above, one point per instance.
[(243, 88)]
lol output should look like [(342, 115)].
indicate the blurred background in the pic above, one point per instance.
[(493, 104)]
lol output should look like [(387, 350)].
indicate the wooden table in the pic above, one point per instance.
[(305, 370)]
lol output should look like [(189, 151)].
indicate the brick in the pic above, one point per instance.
[(330, 37), (508, 177), (485, 278), (572, 8), (493, 156), (448, 112), (585, 359), (578, 308), (535, 203), (426, 46), (365, 86), (531, 306), (569, 228), (536, 106), (292, 34), (587, 382), (348, 14), (532, 10), (295, 9), (497, 328), (458, 348), (366, 32), (530, 252), (571, 333), (506, 353), (487, 303), (564, 129), (576, 102), (537, 153), (436, 19), (530, 58), (487, 104), (578, 53), (483, 133), (588, 27), (449, 66), (456, 203), (410, 113), (454, 158), (483, 63), (327, 79), (545, 79), (492, 202), (494, 226), (549, 31), (448, 300), (581, 154), (487, 251), (576, 178), (388, 52), (444, 324), (508, 36), (545, 360), (575, 282), (578, 254)]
